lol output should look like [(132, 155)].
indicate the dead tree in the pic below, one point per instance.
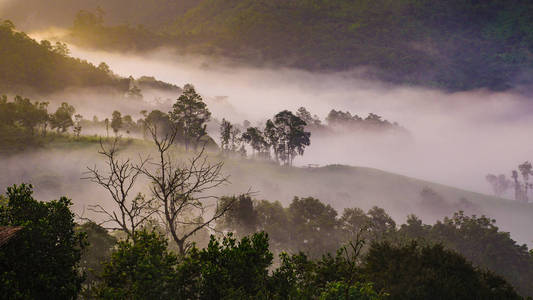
[(181, 188), (119, 178)]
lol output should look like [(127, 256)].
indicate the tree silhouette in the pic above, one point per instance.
[(116, 121), (62, 118), (292, 136), (190, 115)]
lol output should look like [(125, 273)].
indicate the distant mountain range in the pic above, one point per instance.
[(448, 44)]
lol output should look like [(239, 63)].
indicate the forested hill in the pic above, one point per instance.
[(44, 67), (450, 44), (455, 44)]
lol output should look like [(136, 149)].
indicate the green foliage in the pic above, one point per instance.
[(330, 277), (98, 250), (310, 226), (479, 240), (88, 30), (313, 226), (20, 121), (230, 269), (226, 269), (430, 272), (340, 291), (42, 261), (241, 218), (190, 115), (44, 67), (141, 270)]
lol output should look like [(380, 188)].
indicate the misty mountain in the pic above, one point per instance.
[(42, 67), (455, 45), (452, 44)]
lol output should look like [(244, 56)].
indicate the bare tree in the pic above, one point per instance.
[(130, 212), (181, 189)]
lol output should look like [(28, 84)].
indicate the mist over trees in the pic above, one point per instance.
[(22, 122), (177, 209), (311, 226), (428, 43), (32, 67), (322, 255), (44, 67), (284, 136), (519, 183), (158, 215)]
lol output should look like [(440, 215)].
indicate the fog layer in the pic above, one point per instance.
[(457, 138)]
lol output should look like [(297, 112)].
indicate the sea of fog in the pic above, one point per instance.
[(457, 138)]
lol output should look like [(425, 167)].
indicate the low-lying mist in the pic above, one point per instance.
[(457, 138), (454, 138)]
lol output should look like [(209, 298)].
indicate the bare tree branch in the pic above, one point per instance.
[(119, 178), (182, 188)]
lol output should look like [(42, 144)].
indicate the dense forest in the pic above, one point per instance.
[(320, 255), (455, 45)]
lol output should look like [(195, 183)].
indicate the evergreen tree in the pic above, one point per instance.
[(190, 115)]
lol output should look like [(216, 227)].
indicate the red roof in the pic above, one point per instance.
[(7, 232)]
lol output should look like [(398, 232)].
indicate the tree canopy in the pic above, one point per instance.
[(43, 260)]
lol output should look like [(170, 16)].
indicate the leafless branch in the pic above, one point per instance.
[(119, 178), (182, 189)]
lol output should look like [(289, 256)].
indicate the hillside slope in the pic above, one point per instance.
[(43, 67), (452, 44), (340, 186), (29, 67), (345, 186)]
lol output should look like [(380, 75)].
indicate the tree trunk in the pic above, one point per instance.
[(181, 247)]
